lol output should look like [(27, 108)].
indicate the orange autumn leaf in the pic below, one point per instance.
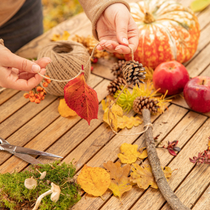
[(209, 145), (119, 178), (81, 98), (143, 177), (129, 153), (94, 180), (64, 110)]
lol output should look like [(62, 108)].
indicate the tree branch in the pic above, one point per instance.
[(154, 160)]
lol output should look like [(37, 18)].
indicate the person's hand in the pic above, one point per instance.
[(20, 73), (116, 30)]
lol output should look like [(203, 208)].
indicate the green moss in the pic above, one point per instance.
[(14, 194)]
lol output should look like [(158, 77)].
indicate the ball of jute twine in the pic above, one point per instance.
[(81, 70), (67, 60)]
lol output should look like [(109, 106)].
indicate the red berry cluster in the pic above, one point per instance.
[(38, 94)]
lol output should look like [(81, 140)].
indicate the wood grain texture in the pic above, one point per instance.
[(103, 68), (152, 199), (198, 65), (198, 179), (78, 24), (32, 128), (182, 132), (22, 116), (60, 128), (7, 94), (12, 105), (110, 151), (203, 42), (202, 18), (41, 127), (204, 202)]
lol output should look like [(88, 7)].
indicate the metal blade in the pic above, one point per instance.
[(24, 150), (28, 158)]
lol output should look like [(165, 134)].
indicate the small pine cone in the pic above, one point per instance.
[(145, 103), (133, 72), (116, 85), (117, 68)]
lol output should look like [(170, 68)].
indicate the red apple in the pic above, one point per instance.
[(197, 94), (171, 76)]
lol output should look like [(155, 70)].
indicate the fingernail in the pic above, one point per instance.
[(35, 68), (48, 59), (102, 42), (118, 49), (109, 46), (125, 41)]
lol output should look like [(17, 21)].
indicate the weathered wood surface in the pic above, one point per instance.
[(41, 127)]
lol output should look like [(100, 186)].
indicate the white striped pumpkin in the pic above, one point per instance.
[(167, 31)]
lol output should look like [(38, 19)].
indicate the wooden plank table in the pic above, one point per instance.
[(41, 127)]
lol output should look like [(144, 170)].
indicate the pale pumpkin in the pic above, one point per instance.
[(167, 31)]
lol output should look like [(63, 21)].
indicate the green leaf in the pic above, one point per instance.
[(199, 5)]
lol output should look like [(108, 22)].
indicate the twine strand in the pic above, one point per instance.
[(133, 134), (2, 89), (57, 80)]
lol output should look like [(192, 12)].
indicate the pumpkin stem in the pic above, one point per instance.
[(148, 18)]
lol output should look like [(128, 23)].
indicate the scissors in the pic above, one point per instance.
[(23, 153)]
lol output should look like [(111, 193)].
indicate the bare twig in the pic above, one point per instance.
[(160, 179)]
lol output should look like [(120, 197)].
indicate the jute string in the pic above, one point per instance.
[(67, 57), (109, 120)]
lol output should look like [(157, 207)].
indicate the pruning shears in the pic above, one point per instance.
[(23, 153)]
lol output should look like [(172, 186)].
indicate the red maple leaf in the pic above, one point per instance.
[(81, 98)]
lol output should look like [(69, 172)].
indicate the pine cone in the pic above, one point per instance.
[(116, 85), (133, 72), (145, 103), (117, 68)]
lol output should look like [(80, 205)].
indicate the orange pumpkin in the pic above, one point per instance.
[(167, 31)]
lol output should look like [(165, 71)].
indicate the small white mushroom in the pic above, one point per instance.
[(30, 183), (43, 174), (55, 190), (56, 193)]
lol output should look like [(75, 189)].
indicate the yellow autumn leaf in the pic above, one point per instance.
[(94, 180), (167, 172), (209, 145), (129, 153), (128, 122), (119, 178), (64, 110), (113, 116), (199, 5), (143, 177), (143, 153), (110, 115), (149, 73), (58, 37)]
